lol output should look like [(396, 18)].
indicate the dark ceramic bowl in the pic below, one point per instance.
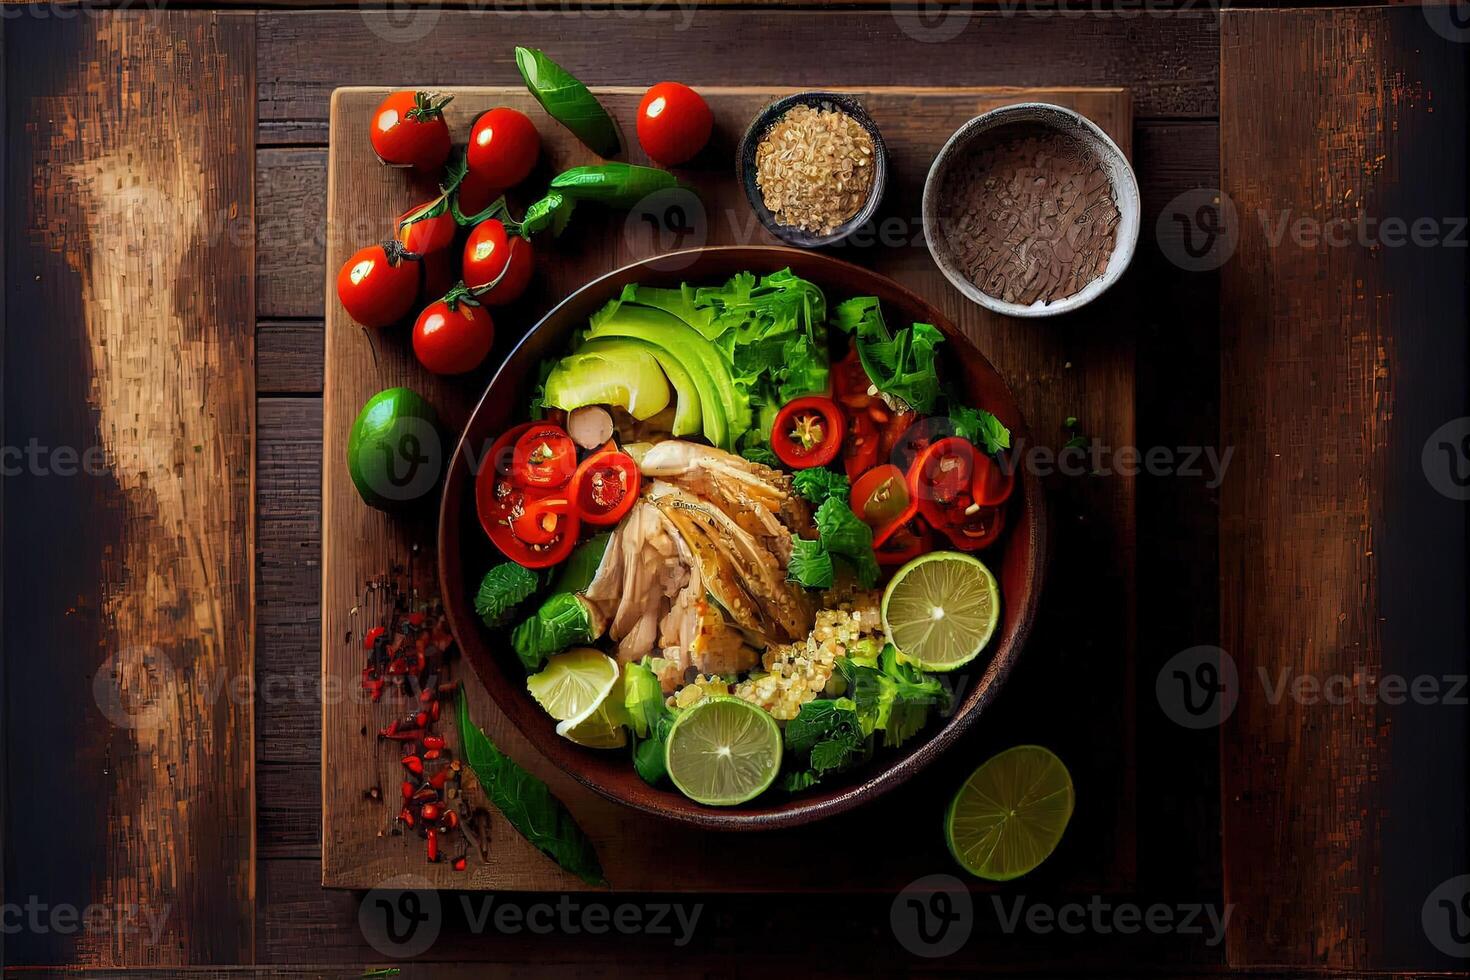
[(465, 553), (764, 120)]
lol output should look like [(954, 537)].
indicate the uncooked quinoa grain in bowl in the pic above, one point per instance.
[(1034, 214), (814, 167)]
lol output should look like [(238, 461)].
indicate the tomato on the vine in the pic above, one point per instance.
[(503, 147), (807, 432), (674, 123), (497, 265), (474, 194), (408, 130), (452, 335), (605, 486), (427, 228), (378, 285)]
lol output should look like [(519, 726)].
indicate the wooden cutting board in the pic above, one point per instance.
[(1079, 366)]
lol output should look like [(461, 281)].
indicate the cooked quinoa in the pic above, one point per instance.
[(798, 672)]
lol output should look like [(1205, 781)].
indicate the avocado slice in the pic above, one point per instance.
[(626, 375), (725, 417), (687, 414)]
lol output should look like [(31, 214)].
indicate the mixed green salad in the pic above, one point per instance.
[(742, 531)]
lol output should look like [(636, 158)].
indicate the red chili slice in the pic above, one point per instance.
[(492, 480), (942, 473), (555, 547), (540, 519), (605, 486), (902, 541), (980, 528), (545, 457), (808, 432), (993, 481), (860, 447), (881, 495)]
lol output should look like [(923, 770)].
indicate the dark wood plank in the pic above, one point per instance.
[(1169, 63), (292, 233), (1338, 557), (130, 193), (288, 357)]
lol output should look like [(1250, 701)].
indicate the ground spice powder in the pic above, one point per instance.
[(1031, 215)]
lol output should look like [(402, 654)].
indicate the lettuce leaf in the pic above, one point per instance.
[(847, 537), (893, 697), (901, 365), (564, 620), (811, 564), (980, 427), (650, 719), (818, 483)]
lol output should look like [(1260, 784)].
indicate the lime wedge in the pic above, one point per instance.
[(602, 724), (723, 751), (941, 609), (1010, 814), (573, 681)]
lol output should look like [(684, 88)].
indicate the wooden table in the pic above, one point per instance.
[(164, 189)]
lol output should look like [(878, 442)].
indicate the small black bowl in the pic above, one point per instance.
[(764, 120)]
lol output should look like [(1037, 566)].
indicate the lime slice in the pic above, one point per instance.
[(573, 681), (941, 609), (1010, 814), (602, 725), (723, 751)]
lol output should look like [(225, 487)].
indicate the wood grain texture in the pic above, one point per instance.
[(130, 238), (1077, 367), (1169, 63), (1337, 556)]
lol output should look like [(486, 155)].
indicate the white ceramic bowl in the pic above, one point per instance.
[(1067, 122)]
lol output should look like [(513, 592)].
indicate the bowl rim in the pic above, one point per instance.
[(761, 123), (1124, 180), (794, 810)]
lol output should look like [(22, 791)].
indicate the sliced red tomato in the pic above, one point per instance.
[(859, 445), (550, 548), (493, 498), (808, 432), (903, 541), (540, 518), (942, 472), (993, 481), (408, 130), (545, 458), (497, 265), (881, 495), (605, 486)]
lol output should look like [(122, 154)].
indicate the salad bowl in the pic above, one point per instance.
[(465, 553)]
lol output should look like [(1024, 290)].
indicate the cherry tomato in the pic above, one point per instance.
[(503, 147), (881, 495), (545, 457), (674, 123), (475, 194), (453, 334), (807, 432), (487, 253), (428, 228), (408, 130), (859, 445), (441, 271), (558, 543), (605, 486), (902, 541), (993, 481), (377, 285)]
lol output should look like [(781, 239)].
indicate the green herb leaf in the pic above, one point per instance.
[(980, 427), (527, 803), (811, 564), (847, 537), (762, 455), (650, 719), (901, 365), (818, 484), (568, 101), (829, 734), (564, 620), (576, 572), (893, 697), (503, 588)]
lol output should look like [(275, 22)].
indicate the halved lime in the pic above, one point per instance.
[(603, 724), (723, 751), (1010, 814), (941, 609), (573, 681)]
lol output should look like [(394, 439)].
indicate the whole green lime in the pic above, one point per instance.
[(395, 452)]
